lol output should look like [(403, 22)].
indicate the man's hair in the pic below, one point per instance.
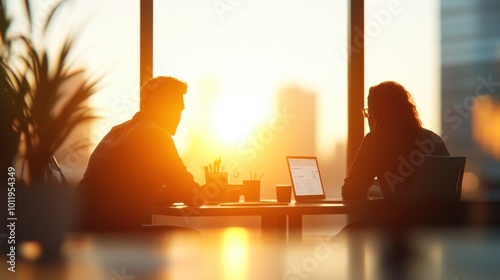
[(161, 91), (392, 105)]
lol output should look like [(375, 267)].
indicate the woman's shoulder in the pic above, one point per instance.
[(431, 134), (380, 139), (433, 143)]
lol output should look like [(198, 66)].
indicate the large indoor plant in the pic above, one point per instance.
[(39, 109), (41, 104)]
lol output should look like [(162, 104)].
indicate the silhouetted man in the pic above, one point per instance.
[(135, 160)]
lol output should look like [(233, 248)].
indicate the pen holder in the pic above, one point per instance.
[(216, 186), (251, 190)]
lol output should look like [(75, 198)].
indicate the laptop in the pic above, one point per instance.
[(306, 181)]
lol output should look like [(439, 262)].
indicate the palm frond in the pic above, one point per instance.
[(29, 16), (45, 98), (4, 24), (51, 15)]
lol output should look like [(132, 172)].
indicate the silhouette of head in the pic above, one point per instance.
[(391, 105), (162, 101)]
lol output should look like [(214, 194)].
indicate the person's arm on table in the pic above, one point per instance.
[(179, 183), (362, 171)]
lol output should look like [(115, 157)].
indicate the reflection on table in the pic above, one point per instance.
[(232, 253)]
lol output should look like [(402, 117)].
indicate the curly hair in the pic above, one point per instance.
[(390, 104)]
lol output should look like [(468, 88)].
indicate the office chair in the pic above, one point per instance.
[(438, 179), (54, 171)]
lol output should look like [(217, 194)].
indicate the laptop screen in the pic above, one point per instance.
[(305, 176)]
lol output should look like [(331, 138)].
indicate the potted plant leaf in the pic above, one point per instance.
[(41, 105)]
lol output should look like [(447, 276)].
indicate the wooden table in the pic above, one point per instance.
[(279, 223)]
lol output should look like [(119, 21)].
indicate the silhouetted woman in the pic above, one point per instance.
[(393, 147)]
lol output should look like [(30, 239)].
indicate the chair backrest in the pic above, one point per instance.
[(54, 171), (438, 178)]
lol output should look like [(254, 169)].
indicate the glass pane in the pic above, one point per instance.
[(402, 45), (470, 89), (265, 80), (107, 50), (446, 54)]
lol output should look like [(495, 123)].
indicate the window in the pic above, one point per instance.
[(265, 79)]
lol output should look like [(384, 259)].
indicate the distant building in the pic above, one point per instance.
[(470, 68)]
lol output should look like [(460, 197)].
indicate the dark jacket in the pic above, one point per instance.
[(391, 155), (126, 172)]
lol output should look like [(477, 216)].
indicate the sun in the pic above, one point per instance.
[(236, 116)]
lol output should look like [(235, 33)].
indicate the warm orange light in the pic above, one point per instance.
[(222, 112), (31, 250), (236, 116), (235, 249), (485, 124), (240, 104), (470, 182)]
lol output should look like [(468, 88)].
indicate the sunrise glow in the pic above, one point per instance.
[(238, 110), (236, 64)]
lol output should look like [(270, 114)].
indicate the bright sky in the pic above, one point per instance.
[(237, 54)]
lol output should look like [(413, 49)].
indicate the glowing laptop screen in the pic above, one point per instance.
[(305, 176)]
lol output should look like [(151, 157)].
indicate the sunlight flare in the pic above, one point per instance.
[(235, 250)]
